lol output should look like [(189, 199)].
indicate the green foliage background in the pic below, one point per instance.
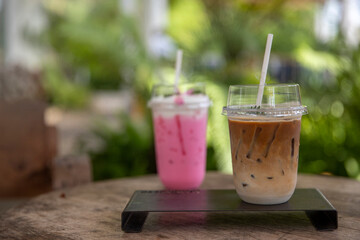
[(95, 46)]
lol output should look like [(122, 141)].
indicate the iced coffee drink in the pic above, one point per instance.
[(265, 142), (180, 121), (265, 159)]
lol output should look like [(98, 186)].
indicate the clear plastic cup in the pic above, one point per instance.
[(180, 120), (265, 141)]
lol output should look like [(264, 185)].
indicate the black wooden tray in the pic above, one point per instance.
[(320, 211)]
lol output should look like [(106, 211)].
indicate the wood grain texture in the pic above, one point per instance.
[(93, 211)]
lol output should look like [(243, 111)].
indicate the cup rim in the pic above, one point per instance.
[(286, 109), (294, 111), (203, 102)]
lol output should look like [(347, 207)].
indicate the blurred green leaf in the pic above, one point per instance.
[(96, 47)]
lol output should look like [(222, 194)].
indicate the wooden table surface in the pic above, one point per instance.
[(93, 211)]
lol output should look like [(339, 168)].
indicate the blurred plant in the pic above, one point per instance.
[(330, 133), (96, 46), (225, 44), (93, 43), (226, 41), (127, 151), (62, 92)]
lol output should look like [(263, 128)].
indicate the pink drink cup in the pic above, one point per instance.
[(180, 139)]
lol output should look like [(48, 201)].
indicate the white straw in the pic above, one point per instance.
[(179, 55), (264, 70)]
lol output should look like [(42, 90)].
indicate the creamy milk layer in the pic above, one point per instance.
[(265, 159)]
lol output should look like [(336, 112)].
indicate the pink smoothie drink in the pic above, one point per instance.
[(180, 139)]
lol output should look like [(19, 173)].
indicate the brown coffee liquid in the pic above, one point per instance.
[(265, 157)]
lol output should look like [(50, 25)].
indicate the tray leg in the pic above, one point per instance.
[(323, 220), (132, 222)]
